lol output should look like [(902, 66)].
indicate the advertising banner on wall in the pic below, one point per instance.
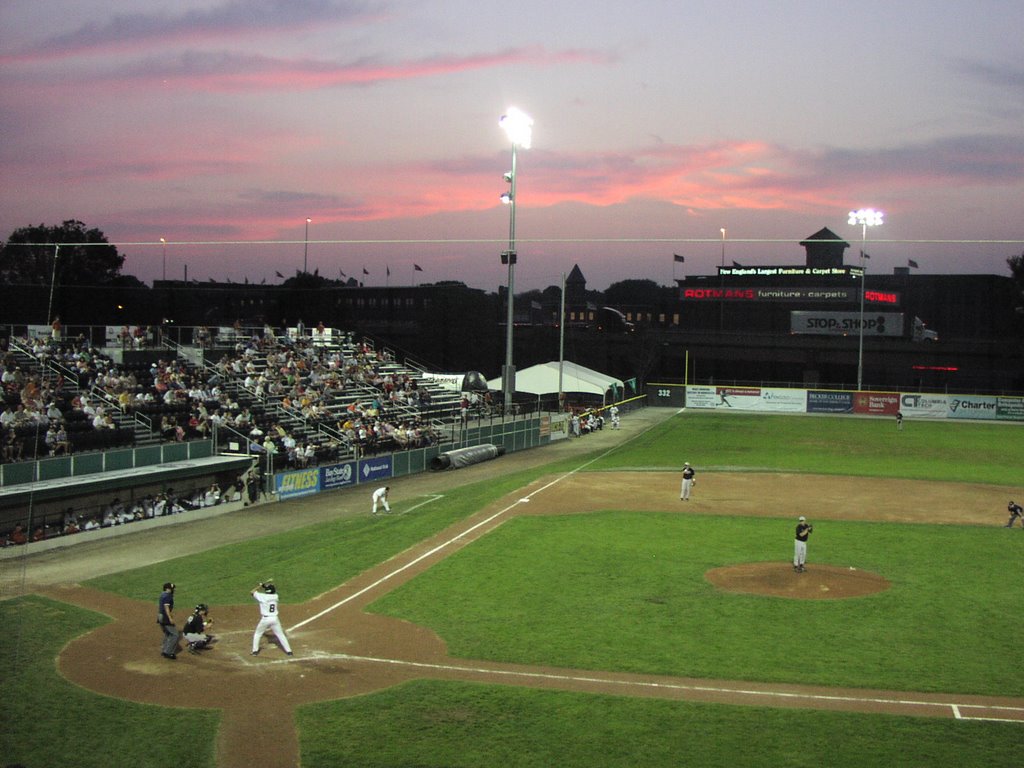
[(919, 406), (290, 485), (1010, 408), (783, 400), (557, 426), (764, 399), (822, 401), (337, 475), (876, 403), (972, 407), (377, 468), (699, 396)]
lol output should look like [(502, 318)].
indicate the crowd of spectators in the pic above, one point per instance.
[(351, 388), (118, 511), (272, 390), (50, 415)]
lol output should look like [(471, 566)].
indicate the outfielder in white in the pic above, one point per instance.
[(614, 411), (380, 498), (266, 596)]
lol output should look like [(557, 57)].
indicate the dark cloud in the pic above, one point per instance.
[(233, 18), (1008, 76)]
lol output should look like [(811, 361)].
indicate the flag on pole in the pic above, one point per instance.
[(388, 270), (911, 263), (417, 268), (864, 255), (364, 271), (342, 273), (677, 258)]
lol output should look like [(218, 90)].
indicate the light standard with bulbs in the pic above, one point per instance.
[(518, 127), (164, 243), (721, 285), (305, 248), (866, 217)]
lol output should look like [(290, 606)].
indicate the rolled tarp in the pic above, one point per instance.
[(463, 457)]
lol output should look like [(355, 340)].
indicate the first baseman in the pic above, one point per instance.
[(380, 498), (266, 596), (803, 530)]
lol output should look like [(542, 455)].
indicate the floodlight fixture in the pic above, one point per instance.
[(518, 127)]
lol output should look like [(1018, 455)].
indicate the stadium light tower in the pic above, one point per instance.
[(866, 217), (518, 127)]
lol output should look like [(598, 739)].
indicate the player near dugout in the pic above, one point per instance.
[(380, 499)]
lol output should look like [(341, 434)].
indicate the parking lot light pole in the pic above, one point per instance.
[(865, 217)]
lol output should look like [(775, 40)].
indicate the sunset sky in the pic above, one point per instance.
[(221, 125)]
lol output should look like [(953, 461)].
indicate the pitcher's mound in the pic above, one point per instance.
[(818, 582)]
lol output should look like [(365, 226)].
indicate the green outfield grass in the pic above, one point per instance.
[(626, 592), (613, 591), (454, 725), (976, 452)]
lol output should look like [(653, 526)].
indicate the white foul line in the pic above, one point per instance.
[(454, 539), (433, 497), (565, 678)]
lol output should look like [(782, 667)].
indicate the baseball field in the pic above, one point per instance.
[(561, 606)]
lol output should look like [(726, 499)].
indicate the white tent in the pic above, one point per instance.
[(542, 379)]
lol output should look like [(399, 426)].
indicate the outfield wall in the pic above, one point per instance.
[(516, 435), (779, 400)]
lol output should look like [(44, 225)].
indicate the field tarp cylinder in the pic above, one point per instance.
[(463, 457)]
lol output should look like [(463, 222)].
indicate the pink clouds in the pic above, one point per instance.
[(232, 72)]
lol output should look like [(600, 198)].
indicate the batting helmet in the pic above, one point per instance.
[(202, 608), (270, 589)]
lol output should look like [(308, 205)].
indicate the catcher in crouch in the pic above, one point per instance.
[(194, 631)]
